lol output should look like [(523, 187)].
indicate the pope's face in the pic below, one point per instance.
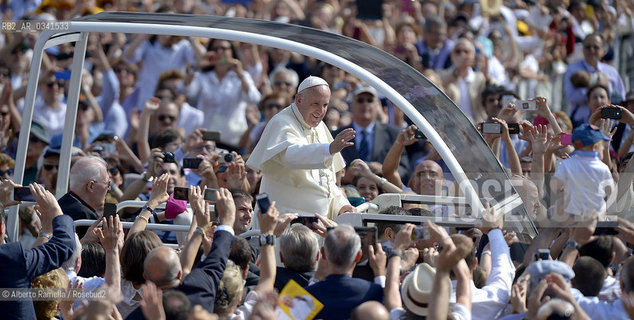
[(313, 104)]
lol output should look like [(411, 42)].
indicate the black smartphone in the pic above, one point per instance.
[(211, 135), (419, 135), (181, 193), (542, 254), (210, 194), (263, 202), (109, 210), (191, 163), (23, 194), (491, 128), (367, 235), (514, 128), (607, 228), (611, 113), (370, 9), (307, 221)]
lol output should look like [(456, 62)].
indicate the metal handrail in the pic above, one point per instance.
[(157, 226)]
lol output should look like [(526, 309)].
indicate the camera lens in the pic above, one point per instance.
[(228, 157), (168, 157)]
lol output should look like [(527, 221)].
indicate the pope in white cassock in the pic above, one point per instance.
[(299, 158)]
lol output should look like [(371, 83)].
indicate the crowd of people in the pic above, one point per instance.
[(164, 118)]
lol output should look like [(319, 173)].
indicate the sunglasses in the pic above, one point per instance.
[(49, 167), (362, 100), (589, 47), (119, 70), (52, 83), (8, 172), (221, 48), (282, 83), (164, 117)]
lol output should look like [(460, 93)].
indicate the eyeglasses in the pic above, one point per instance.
[(49, 166), (163, 117), (8, 172), (119, 70), (107, 183), (368, 100), (224, 48), (282, 83), (591, 47), (272, 106)]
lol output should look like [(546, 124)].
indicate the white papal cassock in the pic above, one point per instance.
[(298, 171)]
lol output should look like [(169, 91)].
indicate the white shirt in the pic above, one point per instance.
[(585, 178), (465, 97), (457, 311), (600, 310), (224, 102), (53, 119), (157, 59), (611, 289), (90, 284), (490, 301), (190, 118)]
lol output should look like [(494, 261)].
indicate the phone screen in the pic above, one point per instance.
[(491, 128), (211, 135), (192, 163), (181, 193), (263, 202), (109, 209), (23, 194), (210, 194)]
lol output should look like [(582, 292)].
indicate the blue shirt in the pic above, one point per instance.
[(580, 112)]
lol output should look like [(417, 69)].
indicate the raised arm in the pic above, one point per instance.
[(202, 219), (144, 128), (393, 158), (392, 292), (112, 240), (267, 251), (361, 168), (158, 196)]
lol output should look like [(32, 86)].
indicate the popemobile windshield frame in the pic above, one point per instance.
[(471, 162)]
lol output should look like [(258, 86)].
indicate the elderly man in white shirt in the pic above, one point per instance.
[(299, 158), (490, 301)]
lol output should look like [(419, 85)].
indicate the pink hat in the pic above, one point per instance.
[(174, 207)]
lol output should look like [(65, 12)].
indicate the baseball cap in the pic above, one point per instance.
[(365, 89), (538, 270), (587, 134), (310, 82), (40, 131)]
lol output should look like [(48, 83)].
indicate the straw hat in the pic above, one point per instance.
[(417, 287)]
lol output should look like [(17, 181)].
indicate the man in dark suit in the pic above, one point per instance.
[(373, 139), (162, 266), (339, 292), (299, 252), (89, 183), (21, 265)]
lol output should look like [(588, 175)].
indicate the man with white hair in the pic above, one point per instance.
[(89, 183), (297, 152)]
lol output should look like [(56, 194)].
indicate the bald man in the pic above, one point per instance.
[(163, 267), (299, 158), (370, 310), (428, 179)]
